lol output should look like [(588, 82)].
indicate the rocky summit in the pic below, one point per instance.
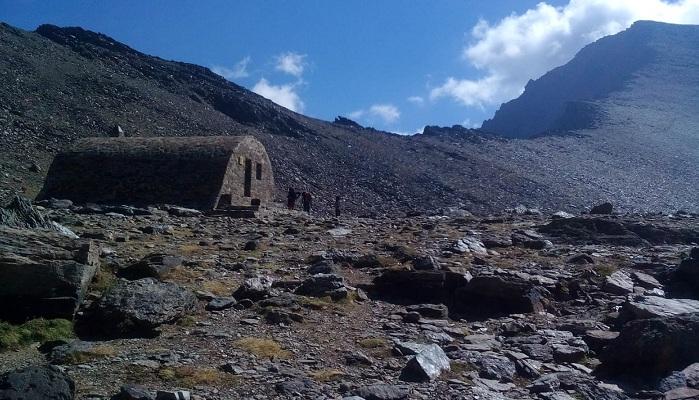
[(513, 306)]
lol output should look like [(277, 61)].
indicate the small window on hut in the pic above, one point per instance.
[(241, 160), (258, 171)]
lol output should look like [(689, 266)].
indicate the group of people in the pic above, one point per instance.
[(306, 200)]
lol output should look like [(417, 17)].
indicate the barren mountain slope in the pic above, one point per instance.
[(62, 84)]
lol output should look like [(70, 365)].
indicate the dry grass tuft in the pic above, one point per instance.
[(263, 348), (94, 353), (373, 343), (219, 288), (326, 375)]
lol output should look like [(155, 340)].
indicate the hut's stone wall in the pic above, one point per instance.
[(189, 171)]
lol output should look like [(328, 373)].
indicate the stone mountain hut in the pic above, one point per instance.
[(210, 172)]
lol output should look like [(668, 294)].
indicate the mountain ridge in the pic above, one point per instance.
[(69, 83)]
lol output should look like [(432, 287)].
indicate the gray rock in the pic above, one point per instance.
[(426, 365), (323, 267), (563, 353), (172, 395), (254, 289), (321, 285), (383, 392), (134, 308), (653, 306), (645, 281), (133, 392), (182, 211), (602, 209), (220, 303), (469, 244), (20, 214), (436, 311), (152, 266), (43, 274), (426, 263), (618, 283), (653, 347), (37, 383)]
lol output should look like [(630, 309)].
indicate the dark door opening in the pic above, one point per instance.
[(248, 178)]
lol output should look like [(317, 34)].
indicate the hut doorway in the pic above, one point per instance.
[(247, 186)]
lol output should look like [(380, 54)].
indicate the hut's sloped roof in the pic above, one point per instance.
[(196, 147)]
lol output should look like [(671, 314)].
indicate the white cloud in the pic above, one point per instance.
[(526, 46), (356, 114), (387, 112), (417, 100), (284, 95), (239, 70), (291, 63)]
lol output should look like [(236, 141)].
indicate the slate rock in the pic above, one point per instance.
[(618, 283), (383, 392), (653, 347), (133, 392), (172, 395), (321, 285), (426, 365), (37, 383), (134, 308), (602, 209), (254, 289), (152, 266), (434, 311), (220, 303), (425, 263), (684, 281), (653, 306)]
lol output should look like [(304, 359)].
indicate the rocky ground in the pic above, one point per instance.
[(287, 305)]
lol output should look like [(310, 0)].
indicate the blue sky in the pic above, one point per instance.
[(392, 64)]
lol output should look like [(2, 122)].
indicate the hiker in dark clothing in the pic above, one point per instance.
[(306, 200), (291, 198), (337, 206)]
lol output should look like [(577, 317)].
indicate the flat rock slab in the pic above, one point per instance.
[(38, 382), (43, 273), (653, 307), (135, 308)]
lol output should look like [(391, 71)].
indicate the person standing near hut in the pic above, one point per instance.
[(291, 198), (337, 206), (306, 199)]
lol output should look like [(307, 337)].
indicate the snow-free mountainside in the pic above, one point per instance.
[(617, 123)]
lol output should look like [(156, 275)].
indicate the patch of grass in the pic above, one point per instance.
[(605, 269), (373, 343), (187, 321), (37, 330), (190, 376), (326, 375), (182, 275), (103, 280), (219, 288), (96, 352), (263, 348), (189, 249)]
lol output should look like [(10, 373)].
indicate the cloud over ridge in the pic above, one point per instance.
[(526, 46)]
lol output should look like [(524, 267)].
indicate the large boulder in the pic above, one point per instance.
[(137, 308), (653, 347), (322, 285), (420, 286), (428, 364), (254, 289), (685, 280), (642, 307), (43, 274), (581, 230), (35, 383), (151, 266), (496, 295)]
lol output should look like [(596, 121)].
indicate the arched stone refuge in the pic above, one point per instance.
[(198, 172)]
